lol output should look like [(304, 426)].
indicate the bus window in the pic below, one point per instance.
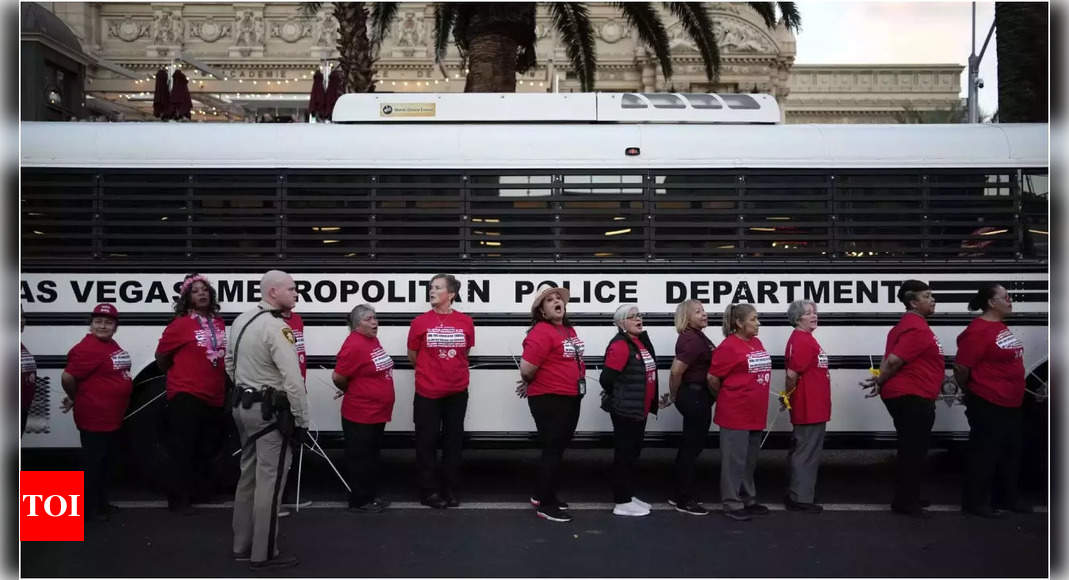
[(57, 213), (327, 214), (880, 215), (696, 214), (1035, 189), (144, 214), (511, 215), (786, 214), (235, 214), (418, 214), (971, 214)]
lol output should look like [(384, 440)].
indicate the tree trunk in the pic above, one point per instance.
[(1021, 30), (354, 46), (491, 64)]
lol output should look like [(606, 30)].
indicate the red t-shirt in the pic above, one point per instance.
[(995, 358), (616, 359), (369, 396), (102, 370), (558, 353), (296, 324), (744, 369), (913, 341), (811, 401), (28, 367), (198, 346), (441, 342)]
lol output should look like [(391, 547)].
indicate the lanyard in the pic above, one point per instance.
[(208, 326)]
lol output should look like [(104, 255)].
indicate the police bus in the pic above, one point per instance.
[(647, 199)]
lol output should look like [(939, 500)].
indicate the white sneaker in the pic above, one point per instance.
[(630, 509), (640, 502), (283, 513)]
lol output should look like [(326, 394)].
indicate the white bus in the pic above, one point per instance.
[(644, 199)]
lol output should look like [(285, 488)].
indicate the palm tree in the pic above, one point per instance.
[(358, 50), (497, 40), (1023, 59)]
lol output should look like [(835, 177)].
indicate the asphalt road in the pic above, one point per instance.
[(496, 534)]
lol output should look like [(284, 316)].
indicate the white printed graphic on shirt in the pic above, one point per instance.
[(938, 344), (760, 363), (448, 339), (382, 361), (27, 362), (120, 361), (1007, 340), (573, 346), (649, 363), (822, 360), (298, 337)]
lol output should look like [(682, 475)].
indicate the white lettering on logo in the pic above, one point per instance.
[(760, 363), (48, 504), (382, 361)]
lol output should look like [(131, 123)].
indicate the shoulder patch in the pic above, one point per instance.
[(288, 333)]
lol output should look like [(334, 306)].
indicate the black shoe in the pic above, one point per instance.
[(756, 509), (434, 501), (739, 515), (917, 512), (275, 563), (689, 507), (984, 512), (451, 500), (560, 504), (241, 556), (374, 506), (925, 503), (553, 514), (801, 506)]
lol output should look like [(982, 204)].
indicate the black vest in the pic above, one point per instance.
[(627, 395)]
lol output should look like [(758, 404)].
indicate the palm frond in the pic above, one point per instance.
[(445, 15), (644, 19), (310, 9), (382, 16), (572, 22), (791, 19), (699, 27)]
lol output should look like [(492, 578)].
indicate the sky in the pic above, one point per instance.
[(873, 32)]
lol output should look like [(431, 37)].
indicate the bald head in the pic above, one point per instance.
[(279, 290)]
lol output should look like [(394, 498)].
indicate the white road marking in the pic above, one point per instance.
[(577, 506)]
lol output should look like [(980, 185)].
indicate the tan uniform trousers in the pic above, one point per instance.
[(264, 465)]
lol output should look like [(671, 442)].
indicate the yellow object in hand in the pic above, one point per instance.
[(875, 372), (785, 398)]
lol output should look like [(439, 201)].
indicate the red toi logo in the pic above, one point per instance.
[(52, 506)]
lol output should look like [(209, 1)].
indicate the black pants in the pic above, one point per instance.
[(195, 433), (627, 435), (695, 403), (913, 418), (439, 418), (994, 456), (362, 445), (555, 416), (98, 455)]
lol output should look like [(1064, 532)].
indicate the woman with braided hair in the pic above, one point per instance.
[(191, 352)]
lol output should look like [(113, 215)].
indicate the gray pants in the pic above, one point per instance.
[(738, 459), (803, 460), (259, 492)]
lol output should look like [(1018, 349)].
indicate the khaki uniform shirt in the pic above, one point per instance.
[(268, 354)]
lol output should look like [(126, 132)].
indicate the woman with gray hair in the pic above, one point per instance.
[(689, 391), (629, 394), (739, 373), (809, 400), (364, 372)]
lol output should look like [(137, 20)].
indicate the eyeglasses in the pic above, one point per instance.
[(636, 316)]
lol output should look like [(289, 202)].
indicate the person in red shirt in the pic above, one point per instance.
[(191, 351), (553, 379), (989, 365), (364, 372), (629, 395), (809, 385), (690, 393), (739, 374), (98, 386), (438, 344), (28, 369), (910, 376)]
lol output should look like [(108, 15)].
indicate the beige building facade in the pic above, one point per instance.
[(246, 60)]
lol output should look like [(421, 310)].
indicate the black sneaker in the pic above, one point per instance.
[(801, 506), (756, 509), (1019, 507), (241, 556), (560, 504), (374, 506), (739, 515), (553, 514), (918, 512), (451, 500), (984, 512), (434, 501), (690, 507), (276, 563)]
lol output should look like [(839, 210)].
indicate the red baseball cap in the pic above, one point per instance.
[(105, 309)]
